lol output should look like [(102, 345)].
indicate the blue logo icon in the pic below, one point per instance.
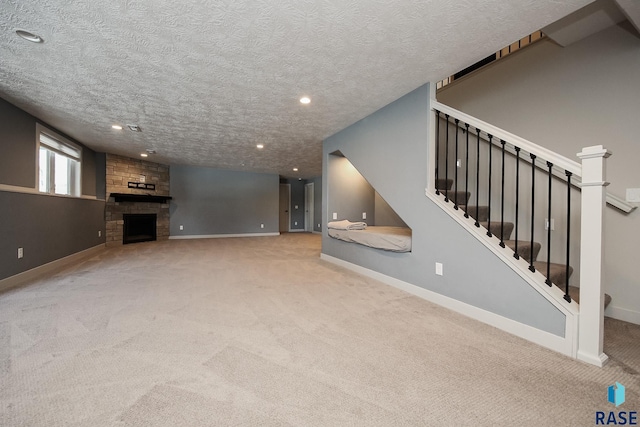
[(616, 394)]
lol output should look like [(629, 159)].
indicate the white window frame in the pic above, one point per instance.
[(53, 142)]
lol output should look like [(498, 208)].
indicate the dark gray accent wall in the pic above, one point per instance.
[(17, 146), (210, 201), (317, 203), (101, 176), (389, 148), (47, 228), (297, 204)]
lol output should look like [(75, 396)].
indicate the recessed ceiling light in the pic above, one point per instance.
[(151, 151), (295, 169), (305, 100), (116, 127), (144, 155), (260, 146), (34, 38), (134, 128)]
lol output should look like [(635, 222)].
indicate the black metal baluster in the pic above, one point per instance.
[(446, 161), (503, 142), (477, 224), (437, 148), (455, 201), (489, 191), (566, 271), (548, 281), (533, 204), (466, 174), (516, 255)]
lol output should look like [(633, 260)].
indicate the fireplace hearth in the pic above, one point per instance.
[(139, 228)]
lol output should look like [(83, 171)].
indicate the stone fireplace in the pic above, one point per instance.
[(120, 172)]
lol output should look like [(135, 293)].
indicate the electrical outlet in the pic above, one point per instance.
[(261, 225), (295, 223), (99, 233), (335, 215), (182, 227), (318, 225), (364, 215), (633, 195), (20, 253), (459, 163), (296, 206), (439, 269)]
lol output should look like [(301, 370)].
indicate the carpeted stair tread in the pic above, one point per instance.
[(444, 184), (574, 293), (494, 227), (524, 248), (557, 272), (483, 212), (459, 197)]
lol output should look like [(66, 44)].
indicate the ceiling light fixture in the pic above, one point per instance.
[(151, 151), (134, 128), (305, 100), (260, 146), (144, 155), (295, 169), (34, 38), (116, 127)]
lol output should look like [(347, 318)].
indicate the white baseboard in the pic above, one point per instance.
[(49, 267), (221, 236), (297, 230), (564, 345), (624, 314)]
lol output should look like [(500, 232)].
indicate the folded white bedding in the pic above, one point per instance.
[(347, 225)]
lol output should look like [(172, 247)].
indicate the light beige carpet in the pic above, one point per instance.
[(259, 331)]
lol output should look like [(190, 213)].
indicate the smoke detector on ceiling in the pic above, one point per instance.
[(134, 128)]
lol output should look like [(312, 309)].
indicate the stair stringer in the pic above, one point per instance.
[(536, 280)]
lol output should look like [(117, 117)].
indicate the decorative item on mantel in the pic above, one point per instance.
[(142, 198), (141, 186)]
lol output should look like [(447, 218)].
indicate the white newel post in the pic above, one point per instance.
[(591, 326)]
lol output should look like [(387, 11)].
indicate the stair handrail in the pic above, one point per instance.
[(560, 162), (557, 159)]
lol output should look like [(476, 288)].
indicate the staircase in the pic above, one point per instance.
[(525, 249)]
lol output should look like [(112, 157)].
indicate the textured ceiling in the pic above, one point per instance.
[(207, 80)]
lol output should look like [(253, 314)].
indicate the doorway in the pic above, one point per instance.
[(285, 202), (308, 207)]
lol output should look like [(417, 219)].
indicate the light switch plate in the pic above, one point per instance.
[(364, 215), (439, 269), (335, 215)]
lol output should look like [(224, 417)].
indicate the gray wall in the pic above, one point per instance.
[(210, 201), (317, 202), (389, 148), (385, 215), (565, 99), (297, 199), (351, 194), (46, 227)]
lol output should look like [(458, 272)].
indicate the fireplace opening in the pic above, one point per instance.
[(139, 228)]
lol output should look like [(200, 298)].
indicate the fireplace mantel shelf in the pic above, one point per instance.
[(142, 198)]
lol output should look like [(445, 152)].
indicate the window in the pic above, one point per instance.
[(58, 165)]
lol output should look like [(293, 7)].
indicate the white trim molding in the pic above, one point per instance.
[(25, 276), (565, 345), (624, 314), (221, 236)]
